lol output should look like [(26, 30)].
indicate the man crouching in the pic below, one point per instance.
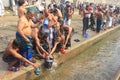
[(13, 58)]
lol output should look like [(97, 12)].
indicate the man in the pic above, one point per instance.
[(50, 17), (37, 40), (99, 19), (12, 57), (68, 15), (24, 34), (59, 14), (85, 20), (21, 8)]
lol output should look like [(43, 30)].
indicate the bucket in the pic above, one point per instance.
[(63, 51), (48, 62)]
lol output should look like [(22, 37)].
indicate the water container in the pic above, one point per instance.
[(86, 35), (45, 23)]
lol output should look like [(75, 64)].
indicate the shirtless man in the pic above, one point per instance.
[(99, 16), (37, 40), (85, 20), (50, 17), (59, 13), (12, 57), (69, 15), (24, 33), (21, 8)]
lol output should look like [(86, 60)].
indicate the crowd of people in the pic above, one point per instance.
[(42, 32), (99, 16), (45, 30)]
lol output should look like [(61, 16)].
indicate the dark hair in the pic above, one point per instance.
[(55, 6), (21, 2), (16, 44), (55, 11)]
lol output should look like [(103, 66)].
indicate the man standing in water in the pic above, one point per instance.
[(24, 35)]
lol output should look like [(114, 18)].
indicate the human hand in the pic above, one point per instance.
[(27, 40), (35, 66)]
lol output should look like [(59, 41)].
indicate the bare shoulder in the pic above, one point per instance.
[(22, 19)]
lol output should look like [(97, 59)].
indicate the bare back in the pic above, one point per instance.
[(21, 11), (7, 50), (85, 13)]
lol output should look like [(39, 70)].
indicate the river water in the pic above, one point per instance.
[(99, 62)]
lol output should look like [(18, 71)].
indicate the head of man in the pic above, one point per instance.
[(30, 14), (16, 44), (55, 6), (46, 12), (21, 2), (87, 7)]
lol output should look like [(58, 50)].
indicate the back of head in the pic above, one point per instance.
[(30, 12), (55, 6), (21, 2), (16, 44)]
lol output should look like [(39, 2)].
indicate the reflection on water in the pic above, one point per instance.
[(94, 64)]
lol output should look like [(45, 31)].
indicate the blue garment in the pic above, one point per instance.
[(99, 22), (85, 23), (27, 53), (25, 47), (24, 44)]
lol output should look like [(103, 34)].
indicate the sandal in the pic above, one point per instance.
[(14, 69), (77, 40), (37, 71)]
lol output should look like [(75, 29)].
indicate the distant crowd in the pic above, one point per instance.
[(99, 16), (45, 30)]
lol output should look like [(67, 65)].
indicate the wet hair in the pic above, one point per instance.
[(55, 11), (30, 12), (87, 7), (55, 6), (16, 44), (21, 2)]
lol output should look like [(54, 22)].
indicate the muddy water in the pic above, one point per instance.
[(99, 62)]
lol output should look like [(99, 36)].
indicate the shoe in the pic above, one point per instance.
[(14, 69), (26, 64), (37, 71), (33, 60)]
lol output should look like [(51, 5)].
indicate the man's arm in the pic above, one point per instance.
[(17, 55), (38, 42)]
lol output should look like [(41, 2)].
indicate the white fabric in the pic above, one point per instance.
[(67, 22), (50, 32), (14, 7), (1, 8), (39, 6), (110, 22)]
